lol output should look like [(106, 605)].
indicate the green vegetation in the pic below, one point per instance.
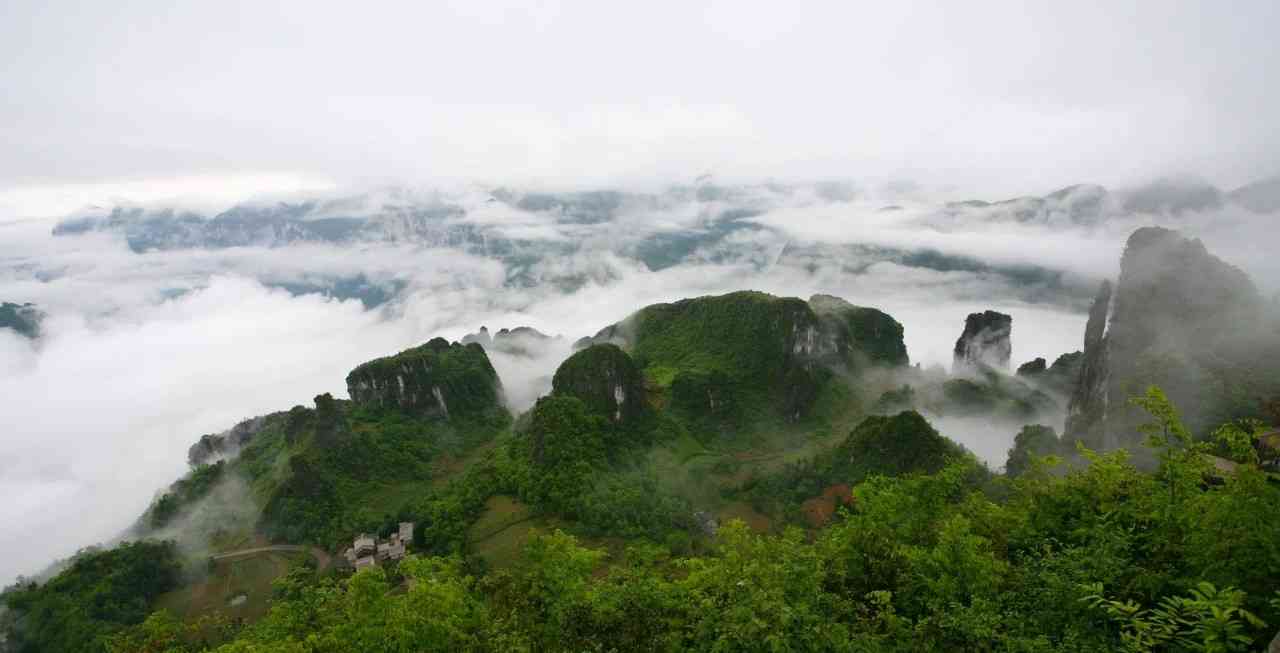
[(902, 444), (866, 335), (1101, 557), (100, 593), (435, 379), (994, 395), (346, 457), (184, 492), (606, 380), (929, 554), (1032, 441)]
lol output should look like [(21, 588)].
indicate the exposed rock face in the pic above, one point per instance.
[(985, 342), (726, 354), (1088, 404), (23, 318), (520, 341), (1181, 319), (861, 335), (1059, 377), (438, 380), (217, 446), (606, 380), (1033, 368)]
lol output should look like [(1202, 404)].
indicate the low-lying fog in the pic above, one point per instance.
[(141, 353)]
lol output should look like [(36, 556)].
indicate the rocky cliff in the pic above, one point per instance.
[(985, 342), (1059, 377), (216, 446), (438, 380), (747, 351), (861, 335), (1182, 319), (520, 341), (606, 380)]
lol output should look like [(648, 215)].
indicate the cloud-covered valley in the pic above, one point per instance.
[(166, 319)]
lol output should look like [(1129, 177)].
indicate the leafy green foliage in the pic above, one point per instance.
[(1032, 441), (100, 593), (919, 562), (438, 379), (566, 447), (902, 444), (184, 492), (344, 453), (1208, 619), (606, 380)]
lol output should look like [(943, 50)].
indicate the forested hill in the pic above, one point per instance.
[(726, 473)]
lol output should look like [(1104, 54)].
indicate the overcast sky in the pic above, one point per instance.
[(997, 97)]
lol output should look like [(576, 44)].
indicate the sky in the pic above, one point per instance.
[(203, 105), (992, 97)]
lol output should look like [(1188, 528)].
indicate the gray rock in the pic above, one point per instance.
[(985, 342)]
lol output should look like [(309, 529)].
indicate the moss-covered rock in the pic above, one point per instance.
[(606, 380), (1032, 440), (899, 444), (861, 335), (438, 379), (751, 351), (1186, 321)]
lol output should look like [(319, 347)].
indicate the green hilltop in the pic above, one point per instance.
[(730, 473)]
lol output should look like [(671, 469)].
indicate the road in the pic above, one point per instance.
[(322, 558)]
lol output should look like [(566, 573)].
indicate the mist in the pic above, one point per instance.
[(141, 353), (830, 150)]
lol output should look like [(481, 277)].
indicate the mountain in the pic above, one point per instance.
[(1184, 320), (520, 341), (22, 318), (746, 352), (1173, 195), (1260, 196), (436, 379), (606, 380), (702, 476), (985, 342)]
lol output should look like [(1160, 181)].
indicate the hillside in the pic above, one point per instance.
[(702, 474)]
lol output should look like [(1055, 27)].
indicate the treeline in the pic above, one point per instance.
[(1097, 557), (101, 593)]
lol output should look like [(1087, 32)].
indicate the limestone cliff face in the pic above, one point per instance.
[(437, 380), (985, 342), (861, 335), (216, 446), (722, 355), (520, 341), (606, 380), (1088, 406), (1184, 320)]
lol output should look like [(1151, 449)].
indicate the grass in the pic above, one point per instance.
[(249, 575), (502, 531)]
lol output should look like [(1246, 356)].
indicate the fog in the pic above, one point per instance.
[(996, 97), (141, 353), (836, 134)]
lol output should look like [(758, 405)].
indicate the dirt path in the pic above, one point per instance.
[(322, 558)]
